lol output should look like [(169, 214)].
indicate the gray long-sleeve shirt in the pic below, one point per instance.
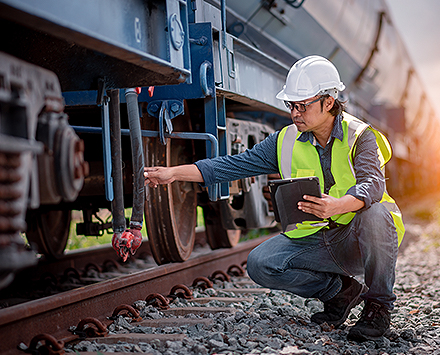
[(262, 159)]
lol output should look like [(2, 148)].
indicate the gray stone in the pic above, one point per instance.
[(239, 316), (408, 334), (275, 343), (215, 344), (241, 329), (173, 345), (199, 349), (268, 350), (123, 348), (382, 343), (251, 344), (216, 336)]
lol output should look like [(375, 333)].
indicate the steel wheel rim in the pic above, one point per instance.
[(170, 210)]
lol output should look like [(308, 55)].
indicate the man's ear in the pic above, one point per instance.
[(328, 103)]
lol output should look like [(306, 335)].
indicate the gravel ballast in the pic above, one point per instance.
[(279, 322)]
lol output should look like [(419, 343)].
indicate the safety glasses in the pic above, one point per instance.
[(298, 106)]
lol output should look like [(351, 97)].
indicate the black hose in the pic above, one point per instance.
[(119, 224), (137, 215)]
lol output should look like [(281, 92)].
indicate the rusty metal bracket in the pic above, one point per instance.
[(202, 282), (92, 266), (110, 264), (48, 345), (186, 294), (220, 275), (129, 311), (70, 273), (47, 280), (236, 270), (157, 300), (83, 332)]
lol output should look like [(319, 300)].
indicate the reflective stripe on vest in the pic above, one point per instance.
[(297, 159)]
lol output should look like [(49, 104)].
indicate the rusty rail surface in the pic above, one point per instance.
[(55, 314)]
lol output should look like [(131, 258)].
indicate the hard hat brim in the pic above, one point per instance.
[(282, 95)]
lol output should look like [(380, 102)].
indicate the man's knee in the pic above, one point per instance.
[(375, 225), (377, 214), (262, 266)]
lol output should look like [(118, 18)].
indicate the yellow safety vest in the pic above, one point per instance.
[(300, 159)]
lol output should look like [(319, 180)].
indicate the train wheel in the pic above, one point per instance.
[(170, 210), (217, 236), (49, 230)]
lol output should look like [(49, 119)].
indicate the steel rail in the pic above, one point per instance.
[(55, 314)]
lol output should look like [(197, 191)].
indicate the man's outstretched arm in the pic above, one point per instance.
[(159, 175)]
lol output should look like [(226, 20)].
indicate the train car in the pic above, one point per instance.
[(94, 91), (47, 48)]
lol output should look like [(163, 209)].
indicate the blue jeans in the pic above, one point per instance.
[(310, 266)]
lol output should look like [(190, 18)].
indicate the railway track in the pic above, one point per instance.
[(55, 315)]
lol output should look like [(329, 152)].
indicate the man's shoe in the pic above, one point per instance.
[(374, 322), (337, 309)]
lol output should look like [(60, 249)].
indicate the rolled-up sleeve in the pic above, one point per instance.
[(370, 182), (207, 170), (261, 159)]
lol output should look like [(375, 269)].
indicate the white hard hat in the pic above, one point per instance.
[(309, 77)]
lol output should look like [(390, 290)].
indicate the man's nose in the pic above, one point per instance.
[(294, 113)]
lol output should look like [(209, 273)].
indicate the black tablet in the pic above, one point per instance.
[(286, 194)]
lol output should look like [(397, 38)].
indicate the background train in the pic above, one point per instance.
[(71, 137)]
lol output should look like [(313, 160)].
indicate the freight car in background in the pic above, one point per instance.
[(71, 137)]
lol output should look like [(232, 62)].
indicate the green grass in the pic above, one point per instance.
[(254, 234), (200, 219)]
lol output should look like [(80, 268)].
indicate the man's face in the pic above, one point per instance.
[(312, 119)]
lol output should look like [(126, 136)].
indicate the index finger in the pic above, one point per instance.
[(150, 168), (311, 198)]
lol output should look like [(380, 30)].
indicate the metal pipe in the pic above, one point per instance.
[(105, 121), (154, 134), (115, 139), (223, 13), (137, 215), (212, 190)]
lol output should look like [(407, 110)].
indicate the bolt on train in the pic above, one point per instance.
[(93, 91)]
